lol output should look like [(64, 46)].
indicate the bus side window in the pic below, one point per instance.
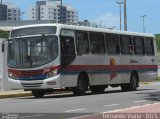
[(149, 48), (82, 42), (117, 49), (67, 50), (126, 45), (67, 45), (139, 48), (97, 44), (112, 44)]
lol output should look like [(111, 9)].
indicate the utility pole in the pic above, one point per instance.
[(120, 3), (1, 2), (125, 16), (143, 16)]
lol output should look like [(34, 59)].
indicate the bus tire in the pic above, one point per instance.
[(82, 85), (38, 93), (97, 89), (132, 86)]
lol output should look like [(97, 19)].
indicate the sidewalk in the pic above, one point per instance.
[(148, 111)]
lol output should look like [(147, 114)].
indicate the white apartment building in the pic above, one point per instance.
[(52, 10), (13, 12)]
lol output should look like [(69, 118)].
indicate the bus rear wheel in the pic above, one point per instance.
[(132, 86), (38, 93), (82, 85), (97, 89)]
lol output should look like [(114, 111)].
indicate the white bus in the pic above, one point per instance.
[(57, 56)]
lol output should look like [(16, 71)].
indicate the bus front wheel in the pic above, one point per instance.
[(82, 85), (38, 93)]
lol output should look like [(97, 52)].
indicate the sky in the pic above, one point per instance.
[(106, 12)]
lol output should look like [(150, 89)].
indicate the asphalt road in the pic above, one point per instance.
[(67, 106)]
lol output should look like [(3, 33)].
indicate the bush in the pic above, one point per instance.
[(157, 36), (4, 34)]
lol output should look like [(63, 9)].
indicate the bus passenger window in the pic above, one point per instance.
[(126, 45), (139, 48), (67, 46), (112, 44), (82, 42), (67, 50), (149, 48), (97, 44)]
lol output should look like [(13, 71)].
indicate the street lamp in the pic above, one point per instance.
[(21, 15), (143, 16), (125, 16), (120, 3)]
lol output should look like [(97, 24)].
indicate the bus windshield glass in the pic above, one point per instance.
[(30, 52), (33, 31)]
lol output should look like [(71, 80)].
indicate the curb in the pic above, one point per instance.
[(2, 96), (24, 94), (154, 82), (145, 83)]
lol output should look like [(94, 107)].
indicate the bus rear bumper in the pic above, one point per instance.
[(50, 83)]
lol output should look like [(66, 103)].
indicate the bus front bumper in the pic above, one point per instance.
[(50, 83)]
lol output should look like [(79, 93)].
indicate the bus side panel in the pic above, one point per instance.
[(132, 63), (114, 75), (99, 69), (69, 80), (149, 72), (125, 68)]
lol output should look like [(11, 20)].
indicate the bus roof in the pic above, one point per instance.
[(84, 28)]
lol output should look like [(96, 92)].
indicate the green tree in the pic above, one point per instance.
[(157, 36), (4, 34)]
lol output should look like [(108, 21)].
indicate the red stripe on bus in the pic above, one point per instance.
[(32, 72), (108, 67), (81, 68)]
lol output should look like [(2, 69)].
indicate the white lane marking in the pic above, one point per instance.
[(38, 101), (74, 110), (24, 117), (138, 101), (110, 105)]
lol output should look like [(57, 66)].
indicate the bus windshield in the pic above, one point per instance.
[(33, 31), (31, 52)]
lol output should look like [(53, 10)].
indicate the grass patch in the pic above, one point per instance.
[(157, 79)]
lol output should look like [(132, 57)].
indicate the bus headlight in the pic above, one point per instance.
[(12, 76), (52, 73)]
